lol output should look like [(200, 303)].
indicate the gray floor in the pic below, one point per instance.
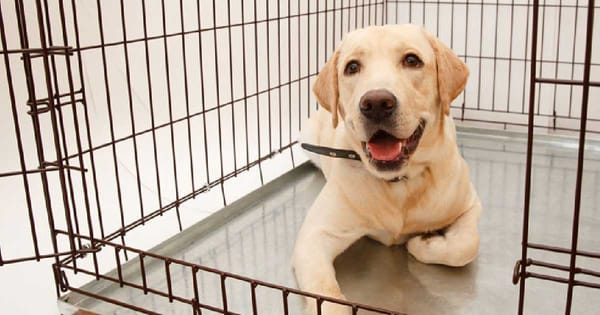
[(255, 237)]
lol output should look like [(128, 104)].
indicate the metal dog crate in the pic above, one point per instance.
[(127, 125)]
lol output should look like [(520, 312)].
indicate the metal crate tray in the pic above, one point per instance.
[(255, 237)]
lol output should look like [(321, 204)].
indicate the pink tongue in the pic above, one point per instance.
[(385, 151)]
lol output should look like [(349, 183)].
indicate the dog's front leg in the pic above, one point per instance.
[(457, 246), (329, 228)]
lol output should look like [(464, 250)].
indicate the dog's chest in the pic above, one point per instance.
[(388, 220), (388, 238), (411, 212), (397, 229)]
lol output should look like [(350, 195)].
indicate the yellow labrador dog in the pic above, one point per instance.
[(391, 88)]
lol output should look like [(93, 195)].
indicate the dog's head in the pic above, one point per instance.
[(392, 86)]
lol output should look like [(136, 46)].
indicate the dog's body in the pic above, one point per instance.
[(392, 86)]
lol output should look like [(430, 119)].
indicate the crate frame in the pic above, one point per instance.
[(47, 102)]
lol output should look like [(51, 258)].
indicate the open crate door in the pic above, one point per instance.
[(40, 184), (530, 249)]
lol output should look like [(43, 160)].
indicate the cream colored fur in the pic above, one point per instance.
[(357, 199)]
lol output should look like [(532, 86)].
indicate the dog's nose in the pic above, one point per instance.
[(378, 104)]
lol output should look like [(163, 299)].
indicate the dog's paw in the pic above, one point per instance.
[(438, 249), (429, 249), (328, 308)]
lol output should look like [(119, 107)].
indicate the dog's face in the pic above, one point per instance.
[(392, 86)]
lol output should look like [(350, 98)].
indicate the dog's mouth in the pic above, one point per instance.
[(388, 152)]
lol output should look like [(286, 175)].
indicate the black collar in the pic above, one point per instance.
[(341, 154), (334, 153)]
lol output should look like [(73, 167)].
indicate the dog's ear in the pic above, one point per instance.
[(326, 87), (452, 73)]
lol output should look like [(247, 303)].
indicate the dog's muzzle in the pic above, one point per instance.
[(388, 153)]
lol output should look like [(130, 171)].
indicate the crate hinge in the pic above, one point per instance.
[(29, 53), (42, 105)]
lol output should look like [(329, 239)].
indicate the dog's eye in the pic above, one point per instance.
[(352, 67), (411, 60)]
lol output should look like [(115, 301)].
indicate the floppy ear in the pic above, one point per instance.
[(452, 73), (326, 87)]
